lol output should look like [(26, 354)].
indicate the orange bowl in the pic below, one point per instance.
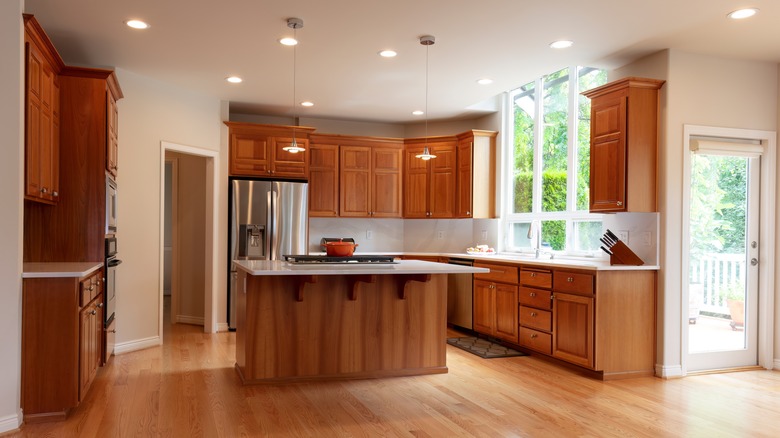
[(340, 249)]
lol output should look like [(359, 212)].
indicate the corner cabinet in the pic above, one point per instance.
[(429, 185), (476, 174), (62, 325), (624, 145), (42, 115), (258, 150)]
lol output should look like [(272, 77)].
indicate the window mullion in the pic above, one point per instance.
[(571, 171), (538, 144)]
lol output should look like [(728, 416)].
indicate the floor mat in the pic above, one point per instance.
[(482, 348)]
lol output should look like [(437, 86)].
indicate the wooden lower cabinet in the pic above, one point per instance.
[(495, 302), (61, 343), (573, 329)]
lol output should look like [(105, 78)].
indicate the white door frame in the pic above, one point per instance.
[(766, 277), (212, 233)]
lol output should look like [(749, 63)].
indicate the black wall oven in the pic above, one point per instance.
[(111, 263)]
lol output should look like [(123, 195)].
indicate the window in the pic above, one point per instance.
[(549, 164)]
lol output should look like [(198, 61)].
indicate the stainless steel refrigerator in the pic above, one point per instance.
[(268, 219)]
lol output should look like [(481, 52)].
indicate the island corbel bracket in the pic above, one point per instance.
[(302, 280), (353, 283), (403, 280)]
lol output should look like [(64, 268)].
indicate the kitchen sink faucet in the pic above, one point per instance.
[(535, 236)]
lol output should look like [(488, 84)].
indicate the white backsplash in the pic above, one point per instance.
[(642, 229)]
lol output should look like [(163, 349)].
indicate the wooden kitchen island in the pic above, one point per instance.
[(320, 322)]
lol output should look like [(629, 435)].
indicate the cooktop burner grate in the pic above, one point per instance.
[(313, 259)]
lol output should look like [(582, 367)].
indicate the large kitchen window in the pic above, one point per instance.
[(549, 165)]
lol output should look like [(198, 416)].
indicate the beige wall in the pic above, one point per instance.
[(701, 90), (11, 174), (151, 112)]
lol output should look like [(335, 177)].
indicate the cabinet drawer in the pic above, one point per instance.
[(535, 318), (89, 288), (537, 278), (535, 297), (536, 340), (502, 273), (573, 282)]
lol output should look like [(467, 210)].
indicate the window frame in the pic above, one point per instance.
[(571, 216)]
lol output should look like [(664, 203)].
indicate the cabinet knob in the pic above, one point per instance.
[(100, 305), (570, 279), (534, 336), (44, 190), (533, 274), (55, 194), (492, 286), (93, 312), (112, 331), (532, 294), (533, 313), (91, 287), (620, 203), (468, 213)]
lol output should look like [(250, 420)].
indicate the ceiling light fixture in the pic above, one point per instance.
[(740, 14), (417, 113), (561, 44), (295, 24), (234, 79), (137, 24), (388, 53), (307, 103), (288, 41), (484, 81), (427, 41)]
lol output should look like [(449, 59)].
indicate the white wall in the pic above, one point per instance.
[(700, 90), (150, 112), (11, 174)]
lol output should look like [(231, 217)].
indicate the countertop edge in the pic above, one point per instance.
[(59, 269)]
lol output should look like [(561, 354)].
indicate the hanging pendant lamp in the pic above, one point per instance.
[(427, 41), (294, 24)]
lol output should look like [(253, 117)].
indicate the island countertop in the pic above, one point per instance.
[(279, 267)]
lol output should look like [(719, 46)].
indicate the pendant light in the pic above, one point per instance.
[(294, 24), (427, 41)]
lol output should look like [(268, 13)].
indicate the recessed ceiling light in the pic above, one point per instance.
[(288, 41), (739, 14), (561, 44), (484, 81), (137, 24), (234, 79), (307, 103), (388, 53), (417, 112)]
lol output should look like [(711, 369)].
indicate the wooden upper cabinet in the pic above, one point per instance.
[(370, 181), (429, 185), (258, 150), (42, 115), (386, 181), (323, 180), (112, 151), (476, 175), (624, 146)]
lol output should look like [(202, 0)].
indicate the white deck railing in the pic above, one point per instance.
[(716, 273)]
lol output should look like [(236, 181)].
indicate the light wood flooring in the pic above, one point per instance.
[(188, 388)]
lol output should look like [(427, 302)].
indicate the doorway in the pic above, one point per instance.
[(727, 221)]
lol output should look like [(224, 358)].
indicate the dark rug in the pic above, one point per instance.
[(482, 348)]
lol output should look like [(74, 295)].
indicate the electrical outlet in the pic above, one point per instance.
[(369, 234), (644, 237), (623, 235), (440, 234), (484, 234)]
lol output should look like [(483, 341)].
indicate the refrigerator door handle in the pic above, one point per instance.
[(271, 244)]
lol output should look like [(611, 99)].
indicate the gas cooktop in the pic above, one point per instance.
[(314, 259)]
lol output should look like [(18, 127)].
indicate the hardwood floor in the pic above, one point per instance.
[(188, 388)]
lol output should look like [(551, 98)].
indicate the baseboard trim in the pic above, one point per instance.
[(776, 364), (138, 344), (11, 422), (222, 327), (186, 319), (668, 372)]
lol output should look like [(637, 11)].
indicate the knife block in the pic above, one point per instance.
[(622, 255)]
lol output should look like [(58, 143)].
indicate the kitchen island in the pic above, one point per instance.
[(320, 322)]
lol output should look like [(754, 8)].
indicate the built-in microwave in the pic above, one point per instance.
[(110, 205)]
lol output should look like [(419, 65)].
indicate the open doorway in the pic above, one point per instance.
[(188, 236)]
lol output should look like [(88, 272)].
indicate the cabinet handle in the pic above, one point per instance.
[(533, 313), (112, 331), (55, 194), (532, 294), (91, 287), (534, 336), (468, 213), (533, 274), (44, 190), (100, 305), (620, 203), (93, 312), (492, 286), (570, 279)]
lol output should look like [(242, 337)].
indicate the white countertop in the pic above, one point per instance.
[(59, 269), (278, 267)]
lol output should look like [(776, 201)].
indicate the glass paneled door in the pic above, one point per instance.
[(723, 250)]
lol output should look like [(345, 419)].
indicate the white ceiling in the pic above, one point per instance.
[(195, 44)]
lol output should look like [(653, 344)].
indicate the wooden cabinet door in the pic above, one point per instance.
[(608, 154), (464, 179), (386, 182), (506, 325), (250, 155), (573, 329), (355, 181), (441, 200), (323, 180), (286, 164), (484, 307), (416, 184), (42, 128), (112, 152)]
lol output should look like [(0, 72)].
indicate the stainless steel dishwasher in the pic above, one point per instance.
[(460, 299)]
